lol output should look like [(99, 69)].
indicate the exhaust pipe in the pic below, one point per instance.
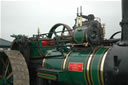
[(124, 24)]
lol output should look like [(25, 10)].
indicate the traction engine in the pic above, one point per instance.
[(72, 56)]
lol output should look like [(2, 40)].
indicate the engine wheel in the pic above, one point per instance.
[(13, 69)]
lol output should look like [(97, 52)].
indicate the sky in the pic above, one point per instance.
[(25, 16)]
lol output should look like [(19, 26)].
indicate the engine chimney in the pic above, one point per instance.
[(124, 23)]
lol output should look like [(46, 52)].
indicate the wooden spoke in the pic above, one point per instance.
[(6, 68), (10, 75)]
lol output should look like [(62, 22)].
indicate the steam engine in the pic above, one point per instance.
[(76, 56)]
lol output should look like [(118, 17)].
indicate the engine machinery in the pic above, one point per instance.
[(73, 56)]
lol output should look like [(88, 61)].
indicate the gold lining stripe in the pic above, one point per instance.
[(65, 60), (91, 63), (102, 67), (44, 60), (43, 64), (88, 66), (99, 66), (85, 72), (89, 77)]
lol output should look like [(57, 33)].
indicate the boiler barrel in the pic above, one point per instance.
[(75, 68)]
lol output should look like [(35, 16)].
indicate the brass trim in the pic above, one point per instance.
[(85, 73), (81, 21), (43, 63), (88, 67), (104, 32), (102, 66), (77, 22), (85, 44), (44, 60), (89, 77), (65, 60), (99, 66)]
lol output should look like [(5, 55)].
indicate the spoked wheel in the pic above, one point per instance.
[(13, 68), (65, 28), (6, 75)]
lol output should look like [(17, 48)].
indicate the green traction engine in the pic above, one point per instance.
[(68, 56)]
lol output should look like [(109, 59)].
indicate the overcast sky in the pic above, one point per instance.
[(25, 16)]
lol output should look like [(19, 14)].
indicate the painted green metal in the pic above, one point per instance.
[(78, 57), (95, 66), (76, 72), (65, 66), (37, 49), (47, 76), (54, 62), (34, 50), (61, 76), (79, 35)]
